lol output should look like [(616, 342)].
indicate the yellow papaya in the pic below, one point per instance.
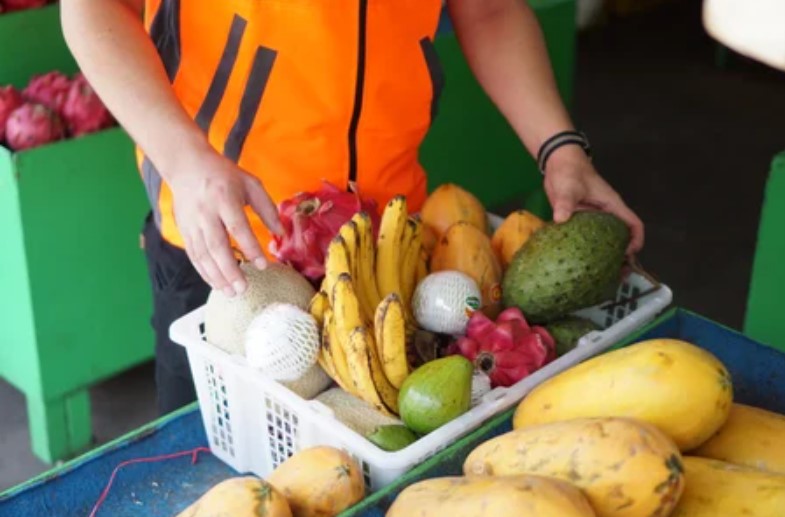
[(245, 496), (719, 489), (682, 389), (751, 436), (512, 496), (626, 468)]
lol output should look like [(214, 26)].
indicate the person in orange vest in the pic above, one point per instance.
[(237, 105)]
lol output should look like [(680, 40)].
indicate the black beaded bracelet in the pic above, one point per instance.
[(559, 140)]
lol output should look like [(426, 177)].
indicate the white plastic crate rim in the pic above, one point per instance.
[(253, 423)]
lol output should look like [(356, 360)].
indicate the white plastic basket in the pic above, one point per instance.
[(253, 423)]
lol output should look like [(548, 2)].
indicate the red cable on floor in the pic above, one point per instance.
[(193, 452)]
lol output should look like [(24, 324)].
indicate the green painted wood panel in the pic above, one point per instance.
[(82, 210), (764, 319)]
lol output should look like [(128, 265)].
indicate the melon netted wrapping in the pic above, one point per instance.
[(283, 342)]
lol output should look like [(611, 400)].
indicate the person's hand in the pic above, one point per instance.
[(572, 183), (210, 193)]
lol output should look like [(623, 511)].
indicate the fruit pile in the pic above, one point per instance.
[(8, 6), (650, 429), (401, 322), (51, 107), (318, 481)]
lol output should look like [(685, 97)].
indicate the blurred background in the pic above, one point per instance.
[(685, 129)]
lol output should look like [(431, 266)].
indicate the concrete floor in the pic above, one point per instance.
[(687, 144)]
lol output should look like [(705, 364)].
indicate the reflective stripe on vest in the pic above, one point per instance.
[(297, 91)]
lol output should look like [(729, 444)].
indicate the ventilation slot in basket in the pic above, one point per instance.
[(616, 313), (221, 418), (282, 429)]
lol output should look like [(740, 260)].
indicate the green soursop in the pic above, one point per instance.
[(567, 331), (566, 267)]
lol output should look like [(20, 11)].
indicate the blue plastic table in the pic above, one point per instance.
[(160, 489)]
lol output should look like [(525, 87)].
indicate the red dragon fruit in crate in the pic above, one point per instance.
[(310, 221), (50, 89), (10, 99), (32, 125), (83, 111), (21, 5), (508, 349)]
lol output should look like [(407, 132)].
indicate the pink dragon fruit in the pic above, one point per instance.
[(21, 5), (310, 221), (83, 111), (10, 99), (32, 125), (507, 350), (50, 89)]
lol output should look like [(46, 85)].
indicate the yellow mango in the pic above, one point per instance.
[(682, 389), (319, 482), (245, 496)]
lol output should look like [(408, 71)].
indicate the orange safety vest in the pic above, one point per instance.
[(296, 91)]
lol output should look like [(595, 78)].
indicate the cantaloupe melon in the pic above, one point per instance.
[(354, 412), (226, 319), (311, 384)]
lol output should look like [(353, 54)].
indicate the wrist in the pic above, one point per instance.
[(566, 146), (186, 155), (567, 156)]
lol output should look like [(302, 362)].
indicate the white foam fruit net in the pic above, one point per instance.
[(283, 342)]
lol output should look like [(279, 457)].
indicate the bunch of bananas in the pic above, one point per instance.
[(364, 304)]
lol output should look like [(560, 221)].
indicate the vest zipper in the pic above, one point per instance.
[(358, 90)]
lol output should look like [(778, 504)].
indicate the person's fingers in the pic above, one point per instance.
[(236, 223), (204, 263), (262, 204), (217, 242), (629, 217), (564, 201), (197, 266)]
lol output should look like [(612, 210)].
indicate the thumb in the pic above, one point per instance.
[(262, 204), (563, 207)]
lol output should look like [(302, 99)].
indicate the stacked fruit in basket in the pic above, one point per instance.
[(50, 107), (401, 322), (648, 430)]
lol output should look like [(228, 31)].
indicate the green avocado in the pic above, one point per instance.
[(436, 393)]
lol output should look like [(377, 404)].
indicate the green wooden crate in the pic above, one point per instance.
[(76, 301)]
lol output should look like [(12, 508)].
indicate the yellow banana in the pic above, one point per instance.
[(325, 357), (387, 392), (336, 263), (367, 265), (391, 336), (319, 304), (348, 232), (351, 236), (358, 358), (332, 344), (411, 256), (388, 252)]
